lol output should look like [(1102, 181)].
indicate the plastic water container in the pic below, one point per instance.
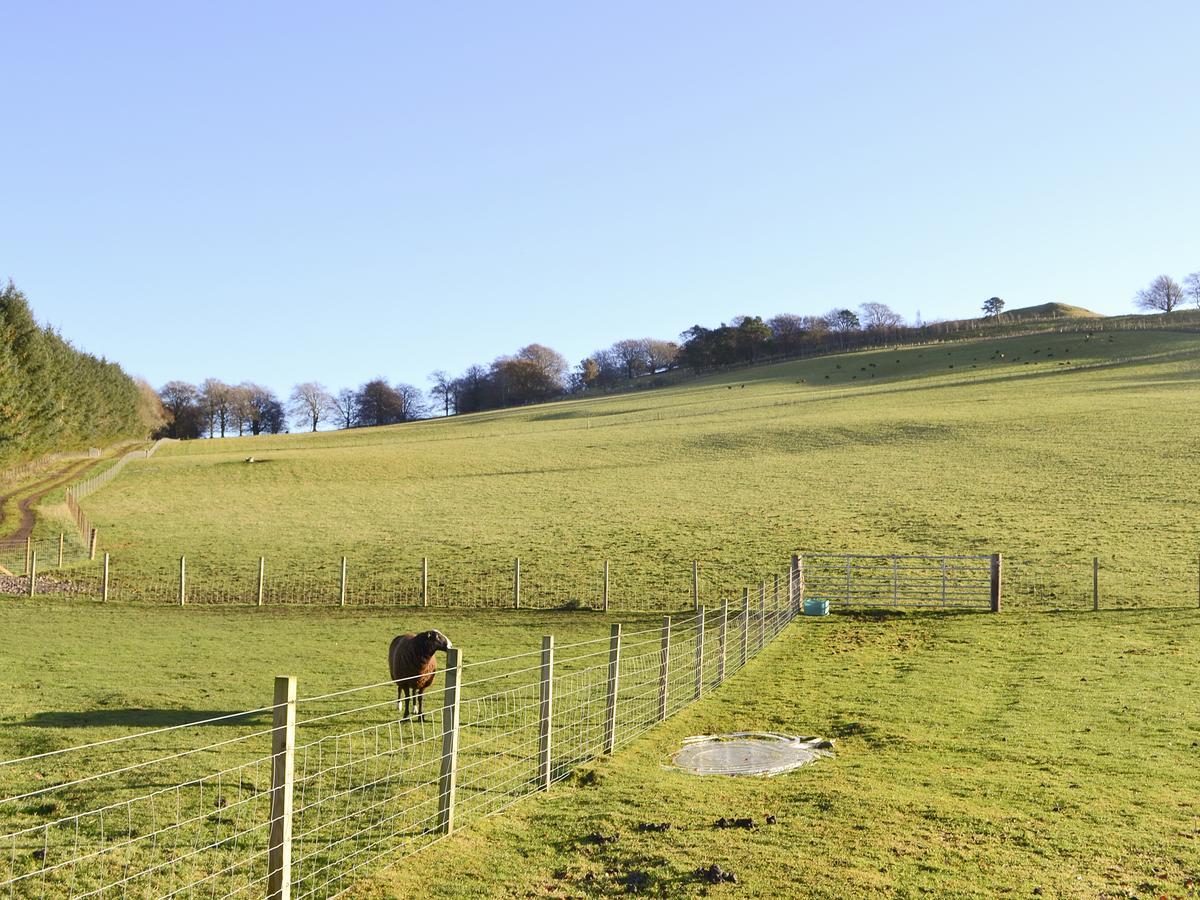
[(816, 607)]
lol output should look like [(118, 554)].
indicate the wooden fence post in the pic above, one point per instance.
[(262, 578), (722, 633), (92, 543), (745, 625), (695, 585), (424, 580), (799, 583), (614, 679), (283, 768), (342, 600), (606, 585), (28, 550), (447, 779), (104, 582), (699, 653), (664, 667), (182, 580), (1095, 584), (32, 572), (61, 546), (517, 583), (546, 717), (997, 571)]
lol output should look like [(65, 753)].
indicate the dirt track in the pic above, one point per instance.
[(40, 489)]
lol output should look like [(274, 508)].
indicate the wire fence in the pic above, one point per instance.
[(89, 486), (309, 794), (527, 583), (846, 581)]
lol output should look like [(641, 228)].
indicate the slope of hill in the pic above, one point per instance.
[(1050, 311), (1038, 445)]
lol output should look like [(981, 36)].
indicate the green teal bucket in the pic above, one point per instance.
[(816, 607)]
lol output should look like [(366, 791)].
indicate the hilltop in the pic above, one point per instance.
[(1050, 311)]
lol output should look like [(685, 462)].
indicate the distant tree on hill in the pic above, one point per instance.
[(631, 354), (787, 331), (309, 403), (413, 397), (442, 391), (181, 402), (215, 403), (586, 375), (661, 355), (264, 413), (879, 317), (992, 307), (342, 406), (377, 403), (1191, 286), (842, 321), (1163, 294)]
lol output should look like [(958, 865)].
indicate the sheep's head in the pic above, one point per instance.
[(434, 641)]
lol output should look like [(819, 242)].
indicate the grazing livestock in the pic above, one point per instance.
[(411, 662)]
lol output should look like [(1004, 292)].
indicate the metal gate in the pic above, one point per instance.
[(932, 582)]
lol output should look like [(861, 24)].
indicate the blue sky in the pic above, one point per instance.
[(280, 192)]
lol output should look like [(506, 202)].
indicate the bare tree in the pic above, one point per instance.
[(787, 330), (413, 399), (309, 403), (631, 353), (442, 391), (1164, 294), (879, 317), (342, 405), (242, 408), (1191, 286), (214, 400)]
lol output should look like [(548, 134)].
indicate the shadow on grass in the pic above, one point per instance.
[(143, 718)]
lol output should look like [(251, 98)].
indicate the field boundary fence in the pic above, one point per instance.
[(88, 486), (307, 794), (64, 567)]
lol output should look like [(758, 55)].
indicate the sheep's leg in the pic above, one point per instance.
[(399, 697), (421, 705), (404, 717)]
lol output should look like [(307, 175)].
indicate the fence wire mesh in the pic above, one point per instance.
[(188, 809)]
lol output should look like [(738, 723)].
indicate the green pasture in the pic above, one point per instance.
[(1050, 448), (1016, 755), (975, 754)]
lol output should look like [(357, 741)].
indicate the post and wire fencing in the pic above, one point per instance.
[(88, 486), (304, 795)]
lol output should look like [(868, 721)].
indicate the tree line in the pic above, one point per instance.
[(216, 409), (54, 397), (537, 373)]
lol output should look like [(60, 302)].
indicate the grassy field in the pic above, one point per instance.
[(977, 755), (1033, 446)]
